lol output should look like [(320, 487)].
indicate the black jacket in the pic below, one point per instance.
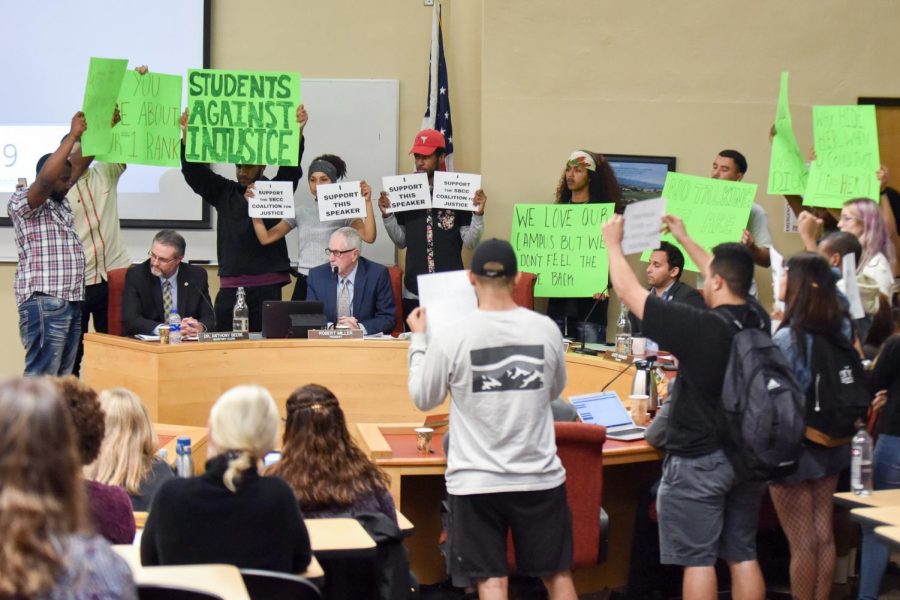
[(679, 292), (142, 302)]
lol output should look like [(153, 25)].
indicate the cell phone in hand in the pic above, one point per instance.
[(22, 183)]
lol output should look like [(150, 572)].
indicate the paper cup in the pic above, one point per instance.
[(639, 409), (639, 346), (423, 439)]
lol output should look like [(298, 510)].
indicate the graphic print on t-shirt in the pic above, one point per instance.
[(507, 368)]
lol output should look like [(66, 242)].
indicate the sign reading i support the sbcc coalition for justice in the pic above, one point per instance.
[(407, 192), (455, 190), (563, 245), (243, 117), (339, 201)]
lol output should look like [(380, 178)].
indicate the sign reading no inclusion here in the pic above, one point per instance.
[(563, 245), (243, 117)]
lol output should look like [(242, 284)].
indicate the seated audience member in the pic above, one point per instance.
[(359, 295), (108, 506), (313, 234), (706, 510), (664, 280), (230, 514), (163, 282), (803, 500), (128, 454), (323, 465), (46, 551), (886, 461)]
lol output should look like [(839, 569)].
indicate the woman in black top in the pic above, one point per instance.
[(230, 514)]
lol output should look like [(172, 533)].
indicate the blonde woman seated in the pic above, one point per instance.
[(128, 455), (47, 548), (323, 465), (230, 514)]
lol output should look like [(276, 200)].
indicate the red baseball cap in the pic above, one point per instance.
[(427, 141)]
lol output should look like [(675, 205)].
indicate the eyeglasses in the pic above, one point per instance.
[(338, 253), (845, 217), (164, 261)]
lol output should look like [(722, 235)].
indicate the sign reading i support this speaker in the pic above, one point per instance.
[(340, 201), (407, 192)]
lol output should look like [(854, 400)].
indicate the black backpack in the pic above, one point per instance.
[(838, 395), (763, 407)]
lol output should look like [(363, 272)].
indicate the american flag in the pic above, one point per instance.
[(437, 115)]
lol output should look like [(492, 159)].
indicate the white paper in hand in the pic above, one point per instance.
[(848, 268), (642, 223), (340, 201), (446, 297), (407, 192), (776, 261), (455, 190), (272, 200)]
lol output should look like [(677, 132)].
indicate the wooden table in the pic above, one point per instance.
[(876, 498), (180, 383), (417, 485), (876, 516), (168, 438), (222, 580), (889, 535), (339, 538)]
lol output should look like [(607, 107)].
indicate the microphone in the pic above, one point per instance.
[(337, 295), (582, 349), (208, 303)]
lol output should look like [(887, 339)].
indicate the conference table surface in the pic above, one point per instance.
[(877, 515), (179, 383), (890, 535), (875, 499)]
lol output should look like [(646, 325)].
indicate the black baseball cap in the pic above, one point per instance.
[(494, 258)]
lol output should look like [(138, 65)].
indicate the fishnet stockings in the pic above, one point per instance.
[(805, 512)]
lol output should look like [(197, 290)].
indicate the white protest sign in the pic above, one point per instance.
[(340, 201), (455, 190), (272, 200), (851, 289), (446, 297), (776, 263), (642, 223), (407, 192)]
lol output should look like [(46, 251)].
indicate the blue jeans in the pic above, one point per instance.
[(875, 555), (50, 329)]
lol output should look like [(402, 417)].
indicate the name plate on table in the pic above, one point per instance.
[(223, 336), (335, 334)]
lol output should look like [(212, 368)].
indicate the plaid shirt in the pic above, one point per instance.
[(51, 259)]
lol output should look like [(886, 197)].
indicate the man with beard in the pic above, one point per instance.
[(49, 283), (433, 238), (161, 283)]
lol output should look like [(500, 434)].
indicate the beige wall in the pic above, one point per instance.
[(532, 80)]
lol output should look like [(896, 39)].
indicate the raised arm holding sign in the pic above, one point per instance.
[(787, 169), (100, 94)]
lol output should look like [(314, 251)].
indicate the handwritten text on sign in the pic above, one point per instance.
[(455, 190), (713, 210), (563, 245), (340, 201), (272, 200), (787, 170), (407, 192), (148, 133), (243, 117), (100, 92)]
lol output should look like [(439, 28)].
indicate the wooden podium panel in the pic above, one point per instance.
[(180, 383)]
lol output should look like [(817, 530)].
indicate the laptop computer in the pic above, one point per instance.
[(285, 319), (605, 408)]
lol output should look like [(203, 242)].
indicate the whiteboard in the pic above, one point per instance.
[(356, 119)]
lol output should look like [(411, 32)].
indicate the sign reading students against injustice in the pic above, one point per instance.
[(340, 201), (787, 170), (407, 192), (100, 93), (713, 210), (148, 133), (563, 245), (243, 117), (455, 190), (847, 160), (272, 200)]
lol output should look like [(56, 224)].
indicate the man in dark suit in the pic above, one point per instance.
[(664, 278), (163, 282), (359, 295)]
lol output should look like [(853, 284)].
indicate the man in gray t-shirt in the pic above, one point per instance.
[(731, 165)]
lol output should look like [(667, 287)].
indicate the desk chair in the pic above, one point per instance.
[(523, 293), (116, 280), (271, 585), (397, 287), (169, 592)]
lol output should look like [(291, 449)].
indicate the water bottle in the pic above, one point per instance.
[(174, 327), (184, 461), (861, 463), (241, 313), (623, 335)]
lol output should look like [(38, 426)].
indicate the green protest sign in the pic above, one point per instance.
[(787, 170), (148, 133), (563, 245), (100, 93), (713, 210), (243, 117), (847, 160)]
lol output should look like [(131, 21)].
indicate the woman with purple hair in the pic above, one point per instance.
[(863, 218)]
